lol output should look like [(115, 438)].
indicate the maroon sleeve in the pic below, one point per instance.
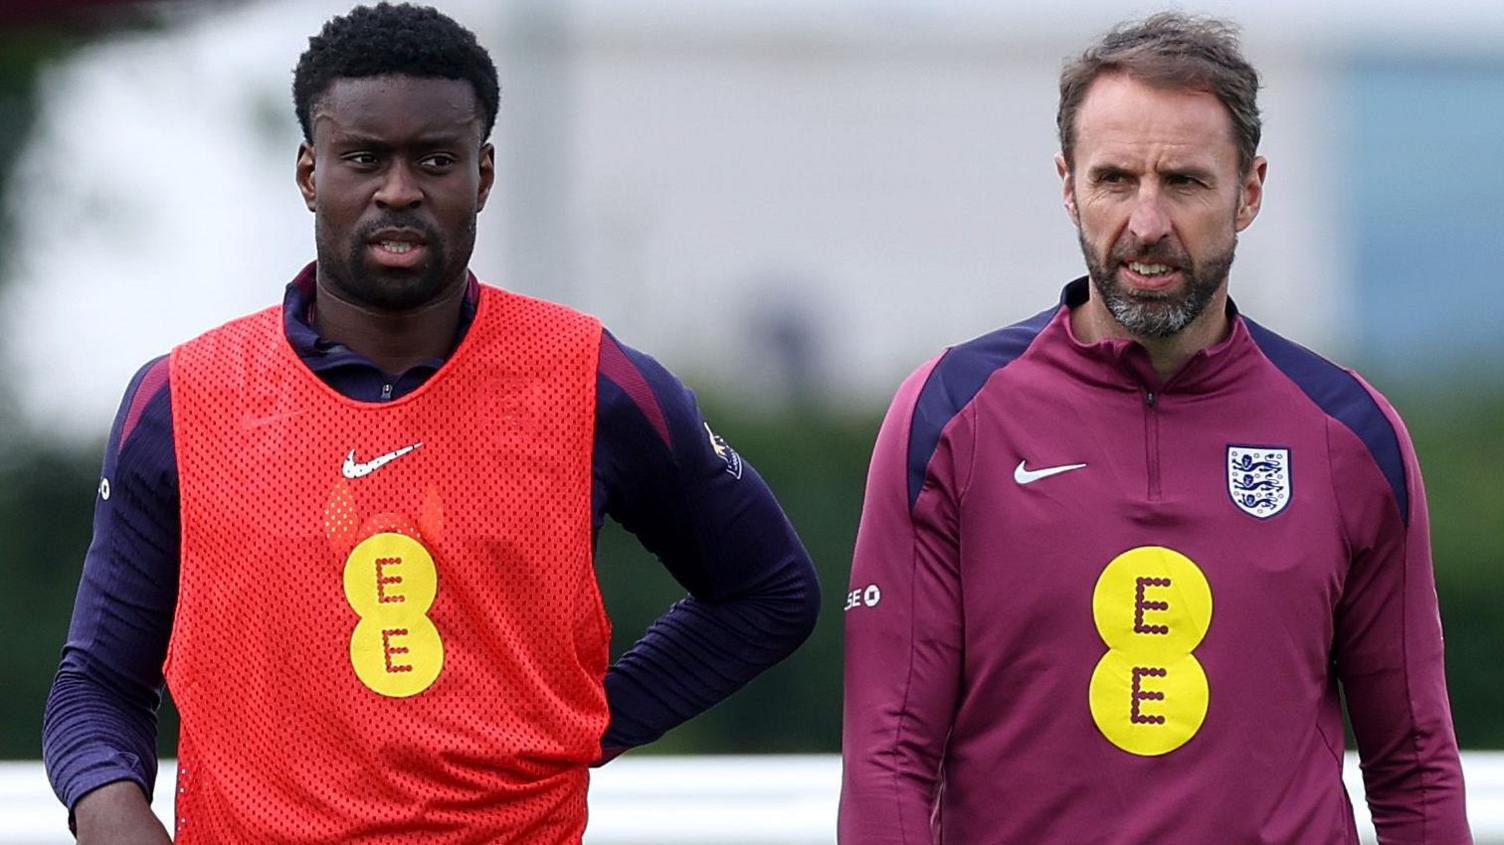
[(1388, 649), (903, 638)]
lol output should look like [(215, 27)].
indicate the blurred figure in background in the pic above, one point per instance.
[(359, 527), (1115, 561)]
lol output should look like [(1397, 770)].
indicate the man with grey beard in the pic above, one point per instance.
[(1117, 561)]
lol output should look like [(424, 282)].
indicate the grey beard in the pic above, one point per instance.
[(1156, 315)]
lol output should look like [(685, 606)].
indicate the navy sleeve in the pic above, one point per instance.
[(692, 501), (100, 724)]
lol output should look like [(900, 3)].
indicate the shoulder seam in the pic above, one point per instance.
[(1331, 471), (1363, 415), (908, 682), (639, 390), (996, 351), (154, 378)]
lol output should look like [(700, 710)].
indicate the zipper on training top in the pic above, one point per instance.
[(1151, 441)]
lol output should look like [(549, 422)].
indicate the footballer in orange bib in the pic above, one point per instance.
[(356, 534)]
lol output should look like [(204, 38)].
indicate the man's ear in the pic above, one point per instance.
[(487, 174), (304, 175), (1067, 188), (1251, 193)]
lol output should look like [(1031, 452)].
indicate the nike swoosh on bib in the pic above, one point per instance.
[(1029, 476), (355, 469)]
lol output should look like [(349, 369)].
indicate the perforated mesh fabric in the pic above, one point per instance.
[(388, 625)]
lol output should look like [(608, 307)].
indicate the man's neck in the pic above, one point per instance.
[(394, 341), (1092, 322)]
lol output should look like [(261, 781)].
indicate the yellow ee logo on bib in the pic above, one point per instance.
[(1149, 694), (391, 581)]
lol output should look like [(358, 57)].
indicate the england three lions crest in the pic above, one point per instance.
[(1258, 479)]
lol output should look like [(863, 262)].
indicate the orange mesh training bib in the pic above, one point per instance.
[(388, 627)]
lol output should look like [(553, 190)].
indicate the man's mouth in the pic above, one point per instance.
[(397, 248), (1149, 269), (1150, 276)]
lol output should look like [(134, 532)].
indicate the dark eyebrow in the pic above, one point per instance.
[(1194, 173), (352, 140), (444, 139), (438, 139), (1097, 173)]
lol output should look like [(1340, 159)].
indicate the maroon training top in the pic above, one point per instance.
[(1088, 607)]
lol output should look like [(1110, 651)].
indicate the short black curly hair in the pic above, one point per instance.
[(400, 39)]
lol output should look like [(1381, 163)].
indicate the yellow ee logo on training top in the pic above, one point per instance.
[(1149, 694), (391, 582)]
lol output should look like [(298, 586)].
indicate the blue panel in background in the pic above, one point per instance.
[(1426, 179)]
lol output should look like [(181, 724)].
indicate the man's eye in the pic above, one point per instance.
[(1177, 181), (361, 159), (439, 160)]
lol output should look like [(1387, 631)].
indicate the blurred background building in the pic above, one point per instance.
[(791, 203), (801, 195)]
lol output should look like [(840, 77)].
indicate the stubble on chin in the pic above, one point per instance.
[(348, 269), (390, 289), (352, 276), (1156, 314)]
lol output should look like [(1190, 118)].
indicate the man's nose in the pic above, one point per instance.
[(399, 189), (1149, 222)]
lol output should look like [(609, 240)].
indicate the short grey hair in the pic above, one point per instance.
[(1174, 51)]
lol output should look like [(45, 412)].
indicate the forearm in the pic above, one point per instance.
[(903, 673), (118, 814), (1411, 768), (92, 736), (891, 747), (700, 652), (1401, 718)]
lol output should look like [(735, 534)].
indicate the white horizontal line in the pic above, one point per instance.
[(711, 800)]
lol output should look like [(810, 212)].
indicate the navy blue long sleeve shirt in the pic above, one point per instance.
[(657, 470)]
